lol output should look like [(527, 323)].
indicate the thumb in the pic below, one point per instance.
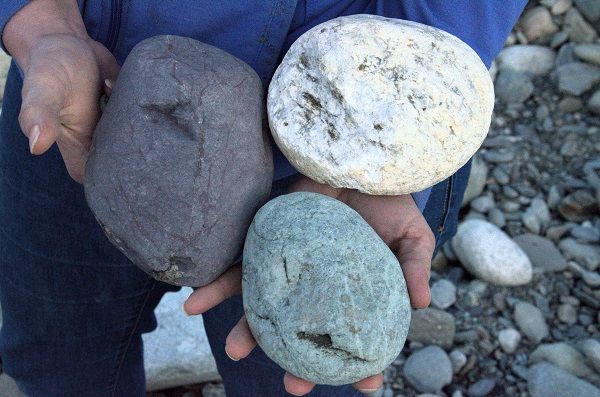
[(40, 114), (109, 68)]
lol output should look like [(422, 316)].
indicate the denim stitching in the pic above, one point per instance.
[(267, 30)]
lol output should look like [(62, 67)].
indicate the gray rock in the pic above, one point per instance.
[(175, 174), (535, 60), (439, 262), (458, 360), (531, 322), (589, 8), (489, 254), (566, 314), (594, 102), (565, 55), (177, 352), (545, 380), (213, 390), (570, 104), (477, 178), (577, 27), (4, 66), (537, 24), (585, 234), (591, 349), (588, 53), (560, 6), (589, 277), (443, 294), (483, 204), (428, 370), (578, 206), (509, 339), (496, 216), (432, 327), (565, 357), (575, 78), (513, 87), (542, 253), (482, 387), (587, 255), (324, 296)]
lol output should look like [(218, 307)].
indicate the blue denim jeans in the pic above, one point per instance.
[(74, 307)]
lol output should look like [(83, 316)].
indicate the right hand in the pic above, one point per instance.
[(64, 76)]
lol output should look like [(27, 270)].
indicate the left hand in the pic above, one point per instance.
[(398, 222)]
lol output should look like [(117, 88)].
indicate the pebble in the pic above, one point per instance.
[(458, 359), (577, 27), (570, 104), (578, 206), (593, 103), (544, 380), (588, 53), (531, 322), (537, 23), (477, 178), (497, 217), (565, 357), (576, 78), (500, 176), (585, 234), (591, 350), (589, 8), (509, 339), (489, 254), (589, 277), (566, 314), (439, 262), (483, 204), (534, 60), (587, 255), (432, 327), (543, 253), (482, 387), (428, 370), (443, 294), (513, 87)]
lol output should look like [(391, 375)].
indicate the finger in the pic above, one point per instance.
[(370, 384), (239, 342), (109, 68), (414, 255), (39, 117), (296, 386), (209, 296)]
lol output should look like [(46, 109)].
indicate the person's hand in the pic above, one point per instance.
[(64, 75), (398, 222)]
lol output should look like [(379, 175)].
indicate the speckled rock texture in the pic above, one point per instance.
[(381, 105), (180, 160), (324, 296)]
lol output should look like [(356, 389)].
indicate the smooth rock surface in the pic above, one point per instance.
[(545, 380), (534, 60), (588, 52), (360, 101), (443, 294), (585, 254), (531, 322), (177, 352), (575, 78), (513, 87), (509, 339), (160, 173), (324, 296), (565, 357), (537, 23), (489, 254), (429, 369), (542, 253), (477, 178), (432, 327), (591, 349)]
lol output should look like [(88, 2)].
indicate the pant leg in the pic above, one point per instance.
[(73, 305)]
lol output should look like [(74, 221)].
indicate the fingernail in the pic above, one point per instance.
[(185, 311), (229, 355), (108, 83), (33, 137), (369, 391)]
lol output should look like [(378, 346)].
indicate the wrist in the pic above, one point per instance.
[(38, 19)]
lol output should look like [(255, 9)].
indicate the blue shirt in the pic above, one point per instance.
[(260, 32)]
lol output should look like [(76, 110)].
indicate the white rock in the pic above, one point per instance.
[(489, 254), (443, 294), (531, 322), (381, 105), (477, 178), (177, 352), (535, 60), (509, 340)]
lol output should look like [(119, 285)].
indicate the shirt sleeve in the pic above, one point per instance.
[(8, 8)]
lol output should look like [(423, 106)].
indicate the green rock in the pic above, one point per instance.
[(324, 296)]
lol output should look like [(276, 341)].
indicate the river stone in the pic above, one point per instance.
[(381, 105), (324, 296), (180, 161), (490, 255)]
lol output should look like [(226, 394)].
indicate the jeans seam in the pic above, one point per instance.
[(126, 342), (446, 209), (267, 30)]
